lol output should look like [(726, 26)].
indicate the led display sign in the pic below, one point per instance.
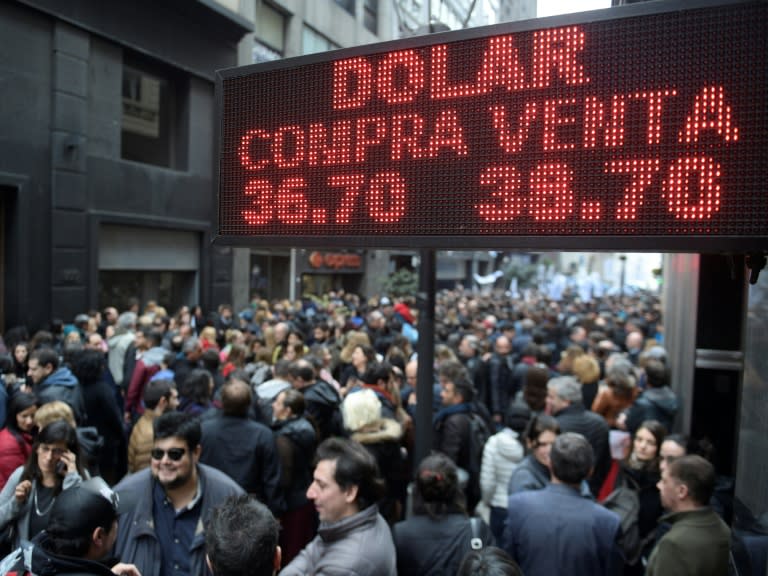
[(637, 128)]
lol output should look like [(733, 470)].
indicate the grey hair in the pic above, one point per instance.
[(473, 341), (190, 345), (618, 363), (126, 320), (566, 387)]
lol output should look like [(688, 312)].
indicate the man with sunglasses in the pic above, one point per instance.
[(164, 532)]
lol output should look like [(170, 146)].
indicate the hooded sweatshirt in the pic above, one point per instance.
[(659, 404), (63, 385), (148, 365)]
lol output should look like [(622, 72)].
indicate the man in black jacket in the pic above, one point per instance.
[(321, 399), (241, 448), (453, 423), (564, 402)]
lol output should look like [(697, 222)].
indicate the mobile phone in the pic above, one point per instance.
[(61, 468)]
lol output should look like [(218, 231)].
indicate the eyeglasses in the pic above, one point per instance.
[(45, 449), (174, 454)]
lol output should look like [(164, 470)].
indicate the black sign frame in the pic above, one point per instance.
[(700, 240)]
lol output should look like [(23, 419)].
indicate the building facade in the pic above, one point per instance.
[(107, 154)]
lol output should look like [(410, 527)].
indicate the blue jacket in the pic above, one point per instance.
[(63, 385), (557, 531), (137, 542)]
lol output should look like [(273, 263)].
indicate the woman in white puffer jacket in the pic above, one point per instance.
[(502, 452)]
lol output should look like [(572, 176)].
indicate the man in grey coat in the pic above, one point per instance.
[(353, 538), (171, 502)]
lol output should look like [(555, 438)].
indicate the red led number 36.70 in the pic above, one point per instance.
[(639, 124)]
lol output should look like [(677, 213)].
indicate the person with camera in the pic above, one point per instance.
[(28, 496)]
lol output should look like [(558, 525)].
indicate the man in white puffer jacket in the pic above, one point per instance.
[(501, 455)]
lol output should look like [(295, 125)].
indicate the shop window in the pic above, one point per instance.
[(152, 119), (169, 289)]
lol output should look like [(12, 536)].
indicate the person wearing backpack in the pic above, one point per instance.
[(640, 509), (460, 432)]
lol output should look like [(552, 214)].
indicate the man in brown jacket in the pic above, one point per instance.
[(159, 396)]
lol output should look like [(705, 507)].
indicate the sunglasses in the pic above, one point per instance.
[(174, 454)]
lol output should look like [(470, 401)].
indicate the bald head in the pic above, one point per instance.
[(236, 397), (503, 345)]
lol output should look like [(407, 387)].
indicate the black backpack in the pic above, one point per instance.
[(625, 502), (479, 432)]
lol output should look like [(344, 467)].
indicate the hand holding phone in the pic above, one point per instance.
[(66, 464)]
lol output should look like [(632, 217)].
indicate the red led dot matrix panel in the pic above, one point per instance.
[(629, 128)]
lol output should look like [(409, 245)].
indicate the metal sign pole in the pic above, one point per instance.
[(426, 353)]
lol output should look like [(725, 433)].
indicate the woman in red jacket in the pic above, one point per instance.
[(16, 437)]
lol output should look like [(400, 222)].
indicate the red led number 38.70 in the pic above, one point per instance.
[(638, 125)]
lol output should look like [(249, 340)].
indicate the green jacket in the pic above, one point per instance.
[(697, 545)]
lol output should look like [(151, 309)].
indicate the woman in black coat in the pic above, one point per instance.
[(102, 413), (296, 440), (437, 537)]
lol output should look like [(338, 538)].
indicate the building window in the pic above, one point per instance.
[(151, 115), (371, 15), (312, 42), (348, 5), (263, 53), (270, 34)]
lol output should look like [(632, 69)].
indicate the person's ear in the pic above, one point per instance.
[(278, 559), (350, 494), (161, 405), (682, 491), (196, 452), (99, 537)]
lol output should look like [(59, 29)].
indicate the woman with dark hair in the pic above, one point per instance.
[(52, 466), (20, 359), (501, 455), (437, 537), (296, 440), (673, 447), (362, 356), (533, 471), (196, 392), (16, 437), (535, 389), (489, 561), (640, 471), (103, 415)]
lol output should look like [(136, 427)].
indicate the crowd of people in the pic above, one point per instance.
[(549, 417)]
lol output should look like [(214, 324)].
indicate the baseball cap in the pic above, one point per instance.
[(79, 510), (81, 319)]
